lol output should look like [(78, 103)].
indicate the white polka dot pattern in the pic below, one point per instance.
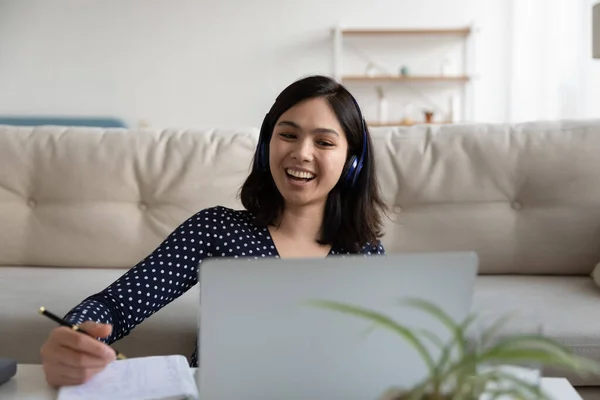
[(171, 269)]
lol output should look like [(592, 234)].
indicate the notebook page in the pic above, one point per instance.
[(145, 378)]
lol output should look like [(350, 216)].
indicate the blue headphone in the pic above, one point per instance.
[(351, 171)]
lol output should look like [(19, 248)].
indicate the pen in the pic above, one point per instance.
[(62, 322)]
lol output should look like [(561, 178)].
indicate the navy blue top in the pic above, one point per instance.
[(171, 269)]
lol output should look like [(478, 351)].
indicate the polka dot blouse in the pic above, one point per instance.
[(171, 269)]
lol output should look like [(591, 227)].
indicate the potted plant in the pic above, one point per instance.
[(459, 372)]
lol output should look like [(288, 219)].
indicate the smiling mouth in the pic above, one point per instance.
[(300, 176)]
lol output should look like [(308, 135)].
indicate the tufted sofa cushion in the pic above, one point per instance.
[(87, 197), (525, 197)]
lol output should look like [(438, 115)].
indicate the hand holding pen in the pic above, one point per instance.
[(72, 355)]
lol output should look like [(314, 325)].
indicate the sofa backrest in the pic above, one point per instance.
[(525, 197)]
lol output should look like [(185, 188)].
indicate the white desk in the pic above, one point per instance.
[(30, 384)]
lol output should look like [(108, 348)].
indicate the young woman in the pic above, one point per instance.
[(312, 192)]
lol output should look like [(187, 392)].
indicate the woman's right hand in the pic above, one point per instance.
[(72, 358)]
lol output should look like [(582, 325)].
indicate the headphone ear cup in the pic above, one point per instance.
[(350, 171), (261, 161), (262, 158), (359, 166), (259, 156)]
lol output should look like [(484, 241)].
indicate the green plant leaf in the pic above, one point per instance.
[(528, 340), (369, 330), (459, 338), (488, 334), (461, 375), (545, 358), (524, 349), (432, 337), (457, 329), (540, 349), (381, 320), (431, 309)]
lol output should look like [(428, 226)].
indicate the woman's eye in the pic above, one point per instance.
[(287, 135), (323, 143)]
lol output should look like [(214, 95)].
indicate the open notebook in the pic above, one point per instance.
[(145, 378)]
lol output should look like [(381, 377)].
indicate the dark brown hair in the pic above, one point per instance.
[(353, 216)]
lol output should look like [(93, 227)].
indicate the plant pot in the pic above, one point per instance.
[(428, 117)]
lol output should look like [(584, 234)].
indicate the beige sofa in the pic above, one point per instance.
[(79, 205)]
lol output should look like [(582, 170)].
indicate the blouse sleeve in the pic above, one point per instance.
[(164, 275)]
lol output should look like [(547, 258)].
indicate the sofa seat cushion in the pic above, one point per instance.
[(567, 307), (23, 330)]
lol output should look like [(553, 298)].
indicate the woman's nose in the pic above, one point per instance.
[(303, 151)]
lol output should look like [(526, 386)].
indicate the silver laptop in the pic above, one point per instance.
[(260, 339)]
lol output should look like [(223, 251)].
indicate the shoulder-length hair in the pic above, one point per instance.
[(353, 216)]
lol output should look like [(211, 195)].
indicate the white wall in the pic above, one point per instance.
[(553, 75), (206, 63), (591, 71)]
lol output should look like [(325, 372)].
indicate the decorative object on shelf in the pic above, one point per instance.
[(487, 364), (371, 70), (596, 30), (407, 118), (404, 70), (382, 105), (428, 116)]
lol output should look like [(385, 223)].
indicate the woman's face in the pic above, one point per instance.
[(307, 152)]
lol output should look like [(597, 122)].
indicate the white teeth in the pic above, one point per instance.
[(300, 174)]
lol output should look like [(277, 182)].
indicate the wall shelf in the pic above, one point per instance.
[(374, 124), (461, 108), (366, 32), (409, 78)]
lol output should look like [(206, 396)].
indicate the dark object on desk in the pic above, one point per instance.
[(8, 369)]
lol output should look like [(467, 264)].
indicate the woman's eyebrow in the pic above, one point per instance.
[(317, 130)]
